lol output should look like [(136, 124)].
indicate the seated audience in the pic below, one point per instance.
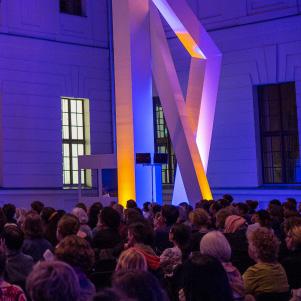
[(53, 281), (169, 216), (9, 211), (106, 235), (201, 224), (140, 237), (82, 216), (179, 235), (131, 259), (34, 244), (292, 263), (203, 278), (216, 245), (77, 252), (139, 285), (37, 206), (267, 275), (67, 225), (93, 214), (8, 291), (18, 265)]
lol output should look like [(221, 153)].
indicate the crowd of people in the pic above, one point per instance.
[(218, 251)]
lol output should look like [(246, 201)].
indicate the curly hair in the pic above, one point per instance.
[(199, 217), (264, 244), (76, 251), (53, 281)]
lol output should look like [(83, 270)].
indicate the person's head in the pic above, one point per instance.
[(140, 233), (263, 218), (293, 238), (275, 202), (37, 206), (242, 209), (75, 251), (234, 223), (292, 202), (82, 205), (131, 259), (169, 214), (131, 204), (81, 214), (179, 234), (13, 237), (133, 215), (53, 281), (199, 218), (290, 223), (9, 210), (46, 213), (67, 225), (204, 278), (93, 213), (263, 245), (228, 197), (32, 226), (146, 206), (252, 204), (110, 218), (216, 245), (140, 285), (221, 216)]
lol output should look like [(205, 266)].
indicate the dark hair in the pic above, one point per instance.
[(131, 204), (37, 206), (76, 251), (243, 207), (170, 213), (81, 205), (275, 202), (228, 197), (93, 214), (32, 226), (214, 284), (156, 208), (142, 233), (46, 214), (13, 237), (181, 234), (140, 285), (264, 218), (132, 216), (146, 206), (110, 217), (224, 202), (68, 225), (9, 210)]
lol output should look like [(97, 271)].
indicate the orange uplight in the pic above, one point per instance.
[(190, 45)]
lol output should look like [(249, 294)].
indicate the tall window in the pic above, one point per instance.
[(279, 133), (71, 7), (163, 143), (73, 139)]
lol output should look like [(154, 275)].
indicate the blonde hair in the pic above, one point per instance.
[(216, 245), (131, 259), (199, 217), (295, 232)]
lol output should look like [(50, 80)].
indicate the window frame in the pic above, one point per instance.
[(70, 142)]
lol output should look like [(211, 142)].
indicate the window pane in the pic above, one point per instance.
[(73, 119), (80, 120), (65, 132), (79, 106), (74, 150), (80, 133), (66, 177), (66, 150), (80, 149), (74, 132), (75, 177), (66, 163), (74, 163), (73, 106)]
